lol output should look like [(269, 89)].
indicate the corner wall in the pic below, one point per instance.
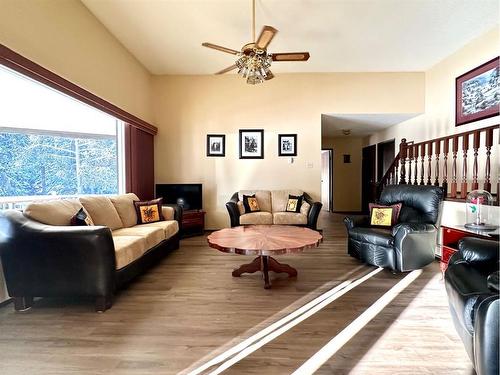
[(187, 108)]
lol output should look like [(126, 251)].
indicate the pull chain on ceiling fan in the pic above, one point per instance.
[(253, 60)]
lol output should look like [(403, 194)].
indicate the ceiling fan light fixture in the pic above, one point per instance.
[(254, 66)]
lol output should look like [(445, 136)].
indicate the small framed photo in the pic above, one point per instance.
[(251, 144), (477, 93), (287, 144), (216, 145)]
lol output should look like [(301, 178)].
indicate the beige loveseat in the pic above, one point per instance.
[(44, 256), (272, 204)]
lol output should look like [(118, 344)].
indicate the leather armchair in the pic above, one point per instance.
[(312, 217), (471, 281), (411, 243)]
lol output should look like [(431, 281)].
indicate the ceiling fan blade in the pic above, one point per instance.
[(228, 69), (266, 35), (220, 48), (291, 56)]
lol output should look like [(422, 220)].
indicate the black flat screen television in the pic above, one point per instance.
[(189, 196)]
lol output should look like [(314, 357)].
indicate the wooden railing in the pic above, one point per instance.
[(446, 161)]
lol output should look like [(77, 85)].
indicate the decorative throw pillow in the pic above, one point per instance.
[(304, 209), (250, 203), (241, 207), (149, 211), (81, 218), (381, 211), (294, 203)]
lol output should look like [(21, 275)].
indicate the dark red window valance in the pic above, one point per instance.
[(25, 66)]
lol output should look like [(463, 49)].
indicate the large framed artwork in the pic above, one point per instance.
[(216, 145), (251, 144), (287, 144), (477, 93)]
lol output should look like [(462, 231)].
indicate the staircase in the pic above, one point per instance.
[(446, 162)]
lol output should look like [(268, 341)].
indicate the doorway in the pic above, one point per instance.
[(385, 157), (327, 179), (368, 180)]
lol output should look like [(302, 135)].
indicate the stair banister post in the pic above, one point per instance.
[(410, 160), (403, 147), (487, 170), (437, 152), (454, 168), (465, 148), (429, 166), (475, 168), (446, 150)]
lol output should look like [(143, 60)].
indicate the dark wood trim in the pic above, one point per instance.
[(349, 212), (22, 65), (330, 174)]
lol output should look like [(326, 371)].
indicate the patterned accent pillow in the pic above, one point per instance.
[(241, 207), (149, 211), (304, 209), (251, 204), (381, 211), (81, 218), (294, 203)]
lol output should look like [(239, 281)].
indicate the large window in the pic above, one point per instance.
[(51, 144)]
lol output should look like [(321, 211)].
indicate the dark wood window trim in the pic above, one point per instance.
[(21, 64)]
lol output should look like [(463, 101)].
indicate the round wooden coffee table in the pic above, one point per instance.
[(264, 241)]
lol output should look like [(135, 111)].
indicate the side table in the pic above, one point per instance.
[(193, 223)]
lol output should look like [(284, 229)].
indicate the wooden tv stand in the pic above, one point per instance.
[(193, 223)]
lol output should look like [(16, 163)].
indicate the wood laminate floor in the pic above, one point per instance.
[(188, 309)]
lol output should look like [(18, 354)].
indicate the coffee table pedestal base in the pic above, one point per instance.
[(265, 264)]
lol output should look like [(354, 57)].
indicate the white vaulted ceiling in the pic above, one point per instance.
[(341, 35)]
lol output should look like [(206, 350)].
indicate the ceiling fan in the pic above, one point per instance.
[(253, 61)]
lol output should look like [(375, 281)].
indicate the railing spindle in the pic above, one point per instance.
[(437, 150), (410, 159), (403, 149), (429, 169), (487, 171), (415, 149), (446, 146), (465, 148), (422, 159), (475, 147), (454, 168)]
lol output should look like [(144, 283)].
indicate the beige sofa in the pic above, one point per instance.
[(44, 256), (272, 205), (117, 213)]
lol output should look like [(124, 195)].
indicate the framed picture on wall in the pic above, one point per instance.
[(287, 144), (251, 144), (477, 93), (216, 145)]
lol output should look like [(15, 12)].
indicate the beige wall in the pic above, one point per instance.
[(439, 117), (187, 108), (64, 37), (346, 176)]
